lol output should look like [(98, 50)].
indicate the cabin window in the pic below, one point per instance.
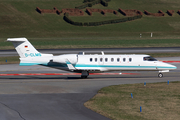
[(101, 59), (91, 59), (130, 59), (118, 59), (95, 59), (106, 59), (149, 58), (124, 59), (112, 59)]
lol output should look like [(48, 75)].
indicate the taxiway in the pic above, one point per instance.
[(59, 97)]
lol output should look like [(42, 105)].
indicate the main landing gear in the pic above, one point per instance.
[(160, 75), (84, 74)]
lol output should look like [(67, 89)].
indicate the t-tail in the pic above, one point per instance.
[(28, 54)]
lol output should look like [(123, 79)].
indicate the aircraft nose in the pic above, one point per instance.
[(172, 66), (166, 66)]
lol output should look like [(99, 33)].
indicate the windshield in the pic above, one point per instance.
[(149, 58)]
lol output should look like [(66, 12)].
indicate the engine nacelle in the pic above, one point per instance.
[(72, 58)]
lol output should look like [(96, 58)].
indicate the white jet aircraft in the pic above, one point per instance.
[(85, 64)]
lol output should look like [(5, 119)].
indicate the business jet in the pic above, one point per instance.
[(85, 64)]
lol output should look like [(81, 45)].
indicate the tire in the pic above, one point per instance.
[(160, 75), (84, 77)]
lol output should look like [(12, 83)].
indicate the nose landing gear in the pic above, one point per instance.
[(160, 75)]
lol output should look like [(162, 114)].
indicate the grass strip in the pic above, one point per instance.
[(159, 101), (96, 42), (9, 60)]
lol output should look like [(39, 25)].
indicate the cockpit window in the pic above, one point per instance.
[(149, 58)]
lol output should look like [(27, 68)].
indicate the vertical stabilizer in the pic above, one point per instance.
[(24, 47), (28, 54)]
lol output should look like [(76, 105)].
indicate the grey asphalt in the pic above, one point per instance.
[(59, 97), (4, 53)]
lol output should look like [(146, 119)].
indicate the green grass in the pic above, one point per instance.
[(159, 101), (19, 19), (9, 60), (95, 42)]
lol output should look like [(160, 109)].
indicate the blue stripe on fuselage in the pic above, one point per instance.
[(118, 66), (98, 66)]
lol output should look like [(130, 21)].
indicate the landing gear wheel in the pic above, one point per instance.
[(84, 77), (84, 74), (160, 75)]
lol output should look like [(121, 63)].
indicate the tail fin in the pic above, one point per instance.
[(25, 49), (28, 54)]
